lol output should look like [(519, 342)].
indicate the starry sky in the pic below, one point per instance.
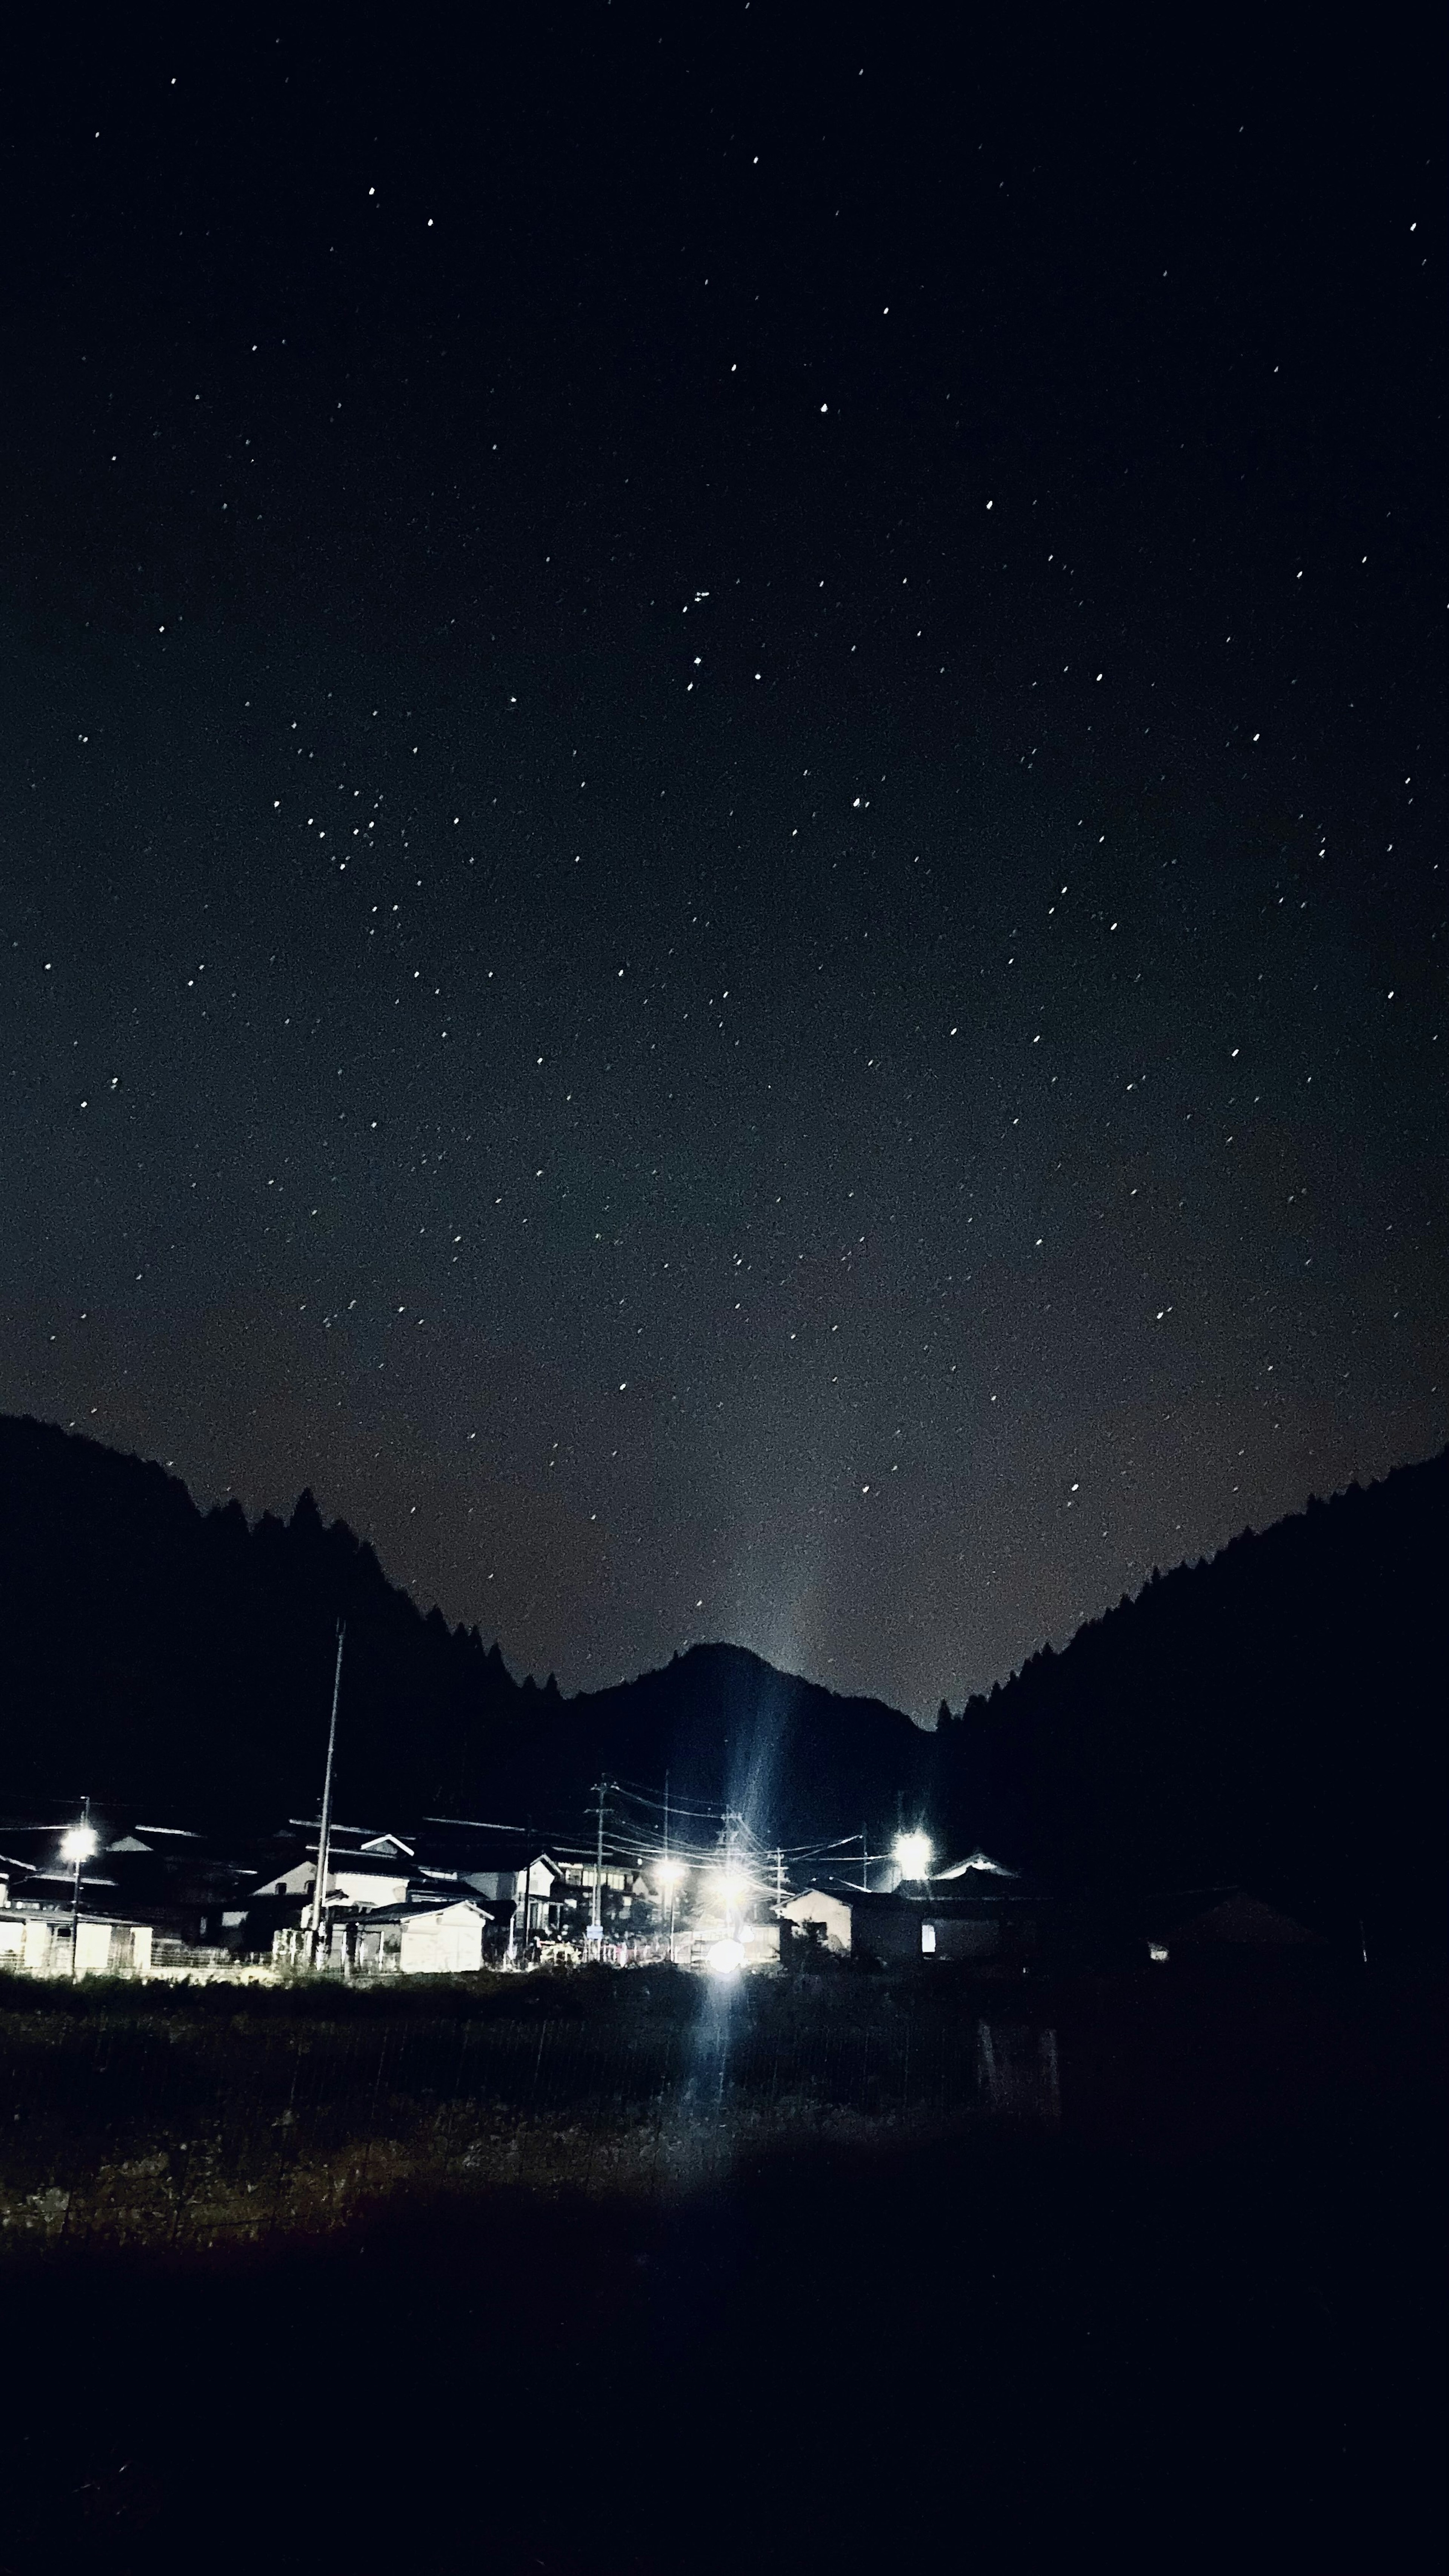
[(720, 800)]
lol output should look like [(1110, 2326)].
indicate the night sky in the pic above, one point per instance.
[(720, 796)]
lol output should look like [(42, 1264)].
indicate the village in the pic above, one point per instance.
[(109, 1895)]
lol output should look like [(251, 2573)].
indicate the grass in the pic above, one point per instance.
[(609, 2273)]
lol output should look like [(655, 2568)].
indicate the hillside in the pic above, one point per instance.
[(1273, 1716), (154, 1652), (802, 1762)]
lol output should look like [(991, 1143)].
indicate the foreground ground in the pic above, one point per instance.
[(626, 2281)]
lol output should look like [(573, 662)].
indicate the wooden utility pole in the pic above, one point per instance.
[(596, 1924), (324, 1832), (83, 1842)]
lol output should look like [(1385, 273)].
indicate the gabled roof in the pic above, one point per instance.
[(418, 1909), (357, 1864), (349, 1838), (978, 1880), (841, 1894), (41, 1912), (340, 1864), (978, 1862)]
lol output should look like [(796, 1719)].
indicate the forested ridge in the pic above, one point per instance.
[(1272, 1716)]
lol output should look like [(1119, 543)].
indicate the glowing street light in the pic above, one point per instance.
[(913, 1855)]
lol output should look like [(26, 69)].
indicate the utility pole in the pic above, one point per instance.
[(732, 1822), (596, 1925), (667, 1874), (522, 1881), (324, 1832), (779, 1885), (83, 1842)]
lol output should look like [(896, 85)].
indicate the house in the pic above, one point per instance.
[(857, 1922), (194, 1887), (629, 1905), (190, 1887), (38, 1943), (426, 1936), (504, 1864), (374, 1872), (976, 1909)]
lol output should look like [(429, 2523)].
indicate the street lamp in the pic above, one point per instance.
[(76, 1845), (913, 1855), (736, 1889), (670, 1875)]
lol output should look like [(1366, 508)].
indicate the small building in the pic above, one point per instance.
[(37, 1942), (980, 1910), (440, 1936), (422, 1938), (857, 1923)]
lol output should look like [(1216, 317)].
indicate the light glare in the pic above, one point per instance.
[(913, 1855)]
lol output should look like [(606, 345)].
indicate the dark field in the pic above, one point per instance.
[(619, 2275)]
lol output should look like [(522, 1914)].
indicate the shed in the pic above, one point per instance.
[(420, 1938)]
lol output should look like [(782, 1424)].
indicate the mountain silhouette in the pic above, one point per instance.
[(1272, 1717), (153, 1653)]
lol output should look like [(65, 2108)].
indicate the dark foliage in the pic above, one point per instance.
[(156, 1653), (1273, 1717)]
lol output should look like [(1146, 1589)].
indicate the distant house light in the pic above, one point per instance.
[(928, 1939), (1157, 1950)]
